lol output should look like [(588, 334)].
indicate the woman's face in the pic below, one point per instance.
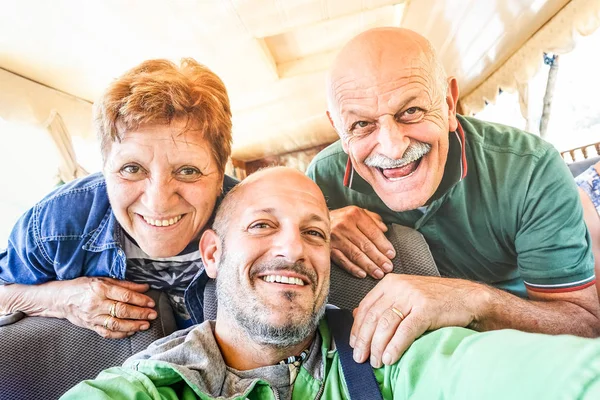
[(162, 182)]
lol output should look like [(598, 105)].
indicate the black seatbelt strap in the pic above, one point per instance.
[(360, 379)]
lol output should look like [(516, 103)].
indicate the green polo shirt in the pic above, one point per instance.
[(506, 213)]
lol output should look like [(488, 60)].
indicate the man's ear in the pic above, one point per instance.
[(330, 119), (452, 101), (210, 249), (344, 144)]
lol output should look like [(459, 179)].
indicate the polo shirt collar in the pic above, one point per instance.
[(455, 169)]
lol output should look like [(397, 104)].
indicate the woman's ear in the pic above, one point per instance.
[(210, 249)]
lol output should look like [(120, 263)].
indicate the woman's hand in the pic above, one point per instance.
[(113, 308)]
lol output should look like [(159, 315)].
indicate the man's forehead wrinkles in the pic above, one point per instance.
[(412, 90)]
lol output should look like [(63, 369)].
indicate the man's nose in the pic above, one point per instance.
[(289, 245), (392, 138), (160, 194)]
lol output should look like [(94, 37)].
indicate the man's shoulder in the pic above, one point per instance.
[(499, 139), (331, 158), (194, 345)]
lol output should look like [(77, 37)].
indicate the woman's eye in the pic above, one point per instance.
[(130, 169), (189, 171)]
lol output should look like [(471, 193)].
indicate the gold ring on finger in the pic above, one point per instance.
[(113, 309), (107, 322), (398, 313)]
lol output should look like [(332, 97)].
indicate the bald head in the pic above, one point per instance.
[(267, 181), (380, 53)]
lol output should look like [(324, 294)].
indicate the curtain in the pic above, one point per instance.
[(558, 35), (68, 169)]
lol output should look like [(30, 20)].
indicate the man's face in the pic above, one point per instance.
[(162, 184), (394, 125), (273, 274)]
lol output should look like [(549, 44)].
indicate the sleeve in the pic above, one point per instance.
[(458, 363), (25, 260), (553, 245), (116, 383)]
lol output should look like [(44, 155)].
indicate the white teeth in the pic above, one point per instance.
[(162, 222), (283, 279)]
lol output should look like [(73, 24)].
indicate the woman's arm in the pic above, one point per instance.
[(86, 302)]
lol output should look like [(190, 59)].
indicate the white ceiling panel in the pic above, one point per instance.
[(271, 54)]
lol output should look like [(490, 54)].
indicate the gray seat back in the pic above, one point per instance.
[(413, 257), (578, 167), (42, 358)]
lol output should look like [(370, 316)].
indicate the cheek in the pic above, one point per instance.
[(360, 149), (121, 195)]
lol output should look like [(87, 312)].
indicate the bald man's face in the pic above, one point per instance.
[(273, 275), (394, 118)]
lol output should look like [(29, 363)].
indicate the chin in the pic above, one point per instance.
[(161, 251)]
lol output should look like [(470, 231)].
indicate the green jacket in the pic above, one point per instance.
[(450, 363)]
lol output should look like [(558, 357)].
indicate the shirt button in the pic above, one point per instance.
[(120, 252)]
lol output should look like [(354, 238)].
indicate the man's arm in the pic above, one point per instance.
[(592, 220), (456, 363), (429, 303)]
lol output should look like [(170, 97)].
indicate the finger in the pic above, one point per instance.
[(121, 325), (342, 261), (377, 219), (386, 328), (127, 311), (376, 245), (361, 311), (409, 330), (137, 287), (361, 256), (119, 293), (108, 334), (364, 327)]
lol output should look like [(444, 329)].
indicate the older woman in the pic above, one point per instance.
[(589, 192), (90, 249)]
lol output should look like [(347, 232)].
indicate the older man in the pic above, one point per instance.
[(269, 341), (497, 206)]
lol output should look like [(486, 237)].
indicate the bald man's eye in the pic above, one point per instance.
[(260, 227), (360, 127), (412, 114)]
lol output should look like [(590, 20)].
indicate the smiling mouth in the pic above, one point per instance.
[(287, 280), (162, 222), (399, 173)]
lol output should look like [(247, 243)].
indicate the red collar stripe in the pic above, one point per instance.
[(463, 152), (348, 173)]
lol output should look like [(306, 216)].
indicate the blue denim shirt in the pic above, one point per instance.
[(73, 232)]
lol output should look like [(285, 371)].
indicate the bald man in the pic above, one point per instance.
[(497, 206), (270, 255)]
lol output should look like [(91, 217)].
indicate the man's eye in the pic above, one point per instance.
[(412, 114), (313, 232), (259, 225), (360, 124)]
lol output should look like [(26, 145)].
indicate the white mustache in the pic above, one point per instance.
[(413, 152)]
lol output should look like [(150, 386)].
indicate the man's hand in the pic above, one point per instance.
[(403, 307), (358, 243), (88, 302)]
